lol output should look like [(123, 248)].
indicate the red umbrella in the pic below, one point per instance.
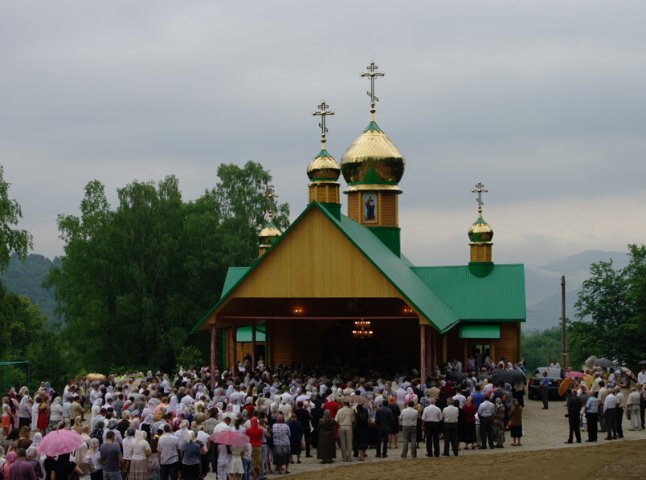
[(575, 374), (59, 442), (228, 437)]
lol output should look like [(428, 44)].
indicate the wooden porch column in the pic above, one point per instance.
[(253, 345), (435, 347), (445, 348), (422, 351), (231, 346), (212, 363), (269, 348)]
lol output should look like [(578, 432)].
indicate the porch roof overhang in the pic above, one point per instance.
[(246, 311)]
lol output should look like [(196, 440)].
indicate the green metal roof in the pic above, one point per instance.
[(500, 295), (480, 331), (234, 274)]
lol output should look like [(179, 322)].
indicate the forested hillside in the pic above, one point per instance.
[(26, 278)]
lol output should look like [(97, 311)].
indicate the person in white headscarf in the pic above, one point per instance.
[(140, 453), (172, 404), (83, 462), (56, 413), (96, 408), (181, 433), (34, 413)]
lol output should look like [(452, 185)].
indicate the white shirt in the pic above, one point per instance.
[(168, 448), (408, 417), (128, 445), (621, 400), (451, 414), (222, 427), (181, 436), (633, 398), (460, 398), (202, 437), (432, 413), (485, 409), (641, 378), (610, 401)]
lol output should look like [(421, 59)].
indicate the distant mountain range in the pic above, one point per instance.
[(543, 284), (26, 278)]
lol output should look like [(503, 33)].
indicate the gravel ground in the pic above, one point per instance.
[(542, 430)]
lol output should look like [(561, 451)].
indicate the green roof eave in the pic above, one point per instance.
[(480, 332)]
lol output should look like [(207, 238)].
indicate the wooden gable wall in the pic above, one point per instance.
[(315, 260)]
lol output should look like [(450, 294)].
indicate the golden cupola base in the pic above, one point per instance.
[(480, 252)]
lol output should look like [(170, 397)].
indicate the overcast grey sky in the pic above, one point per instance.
[(544, 102)]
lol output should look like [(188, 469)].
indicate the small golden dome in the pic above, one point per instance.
[(480, 231), (323, 168), (372, 160), (269, 233)]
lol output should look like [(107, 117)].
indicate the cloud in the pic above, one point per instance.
[(543, 102)]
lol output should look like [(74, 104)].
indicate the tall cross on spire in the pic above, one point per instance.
[(479, 189), (323, 112), (270, 195), (372, 73)]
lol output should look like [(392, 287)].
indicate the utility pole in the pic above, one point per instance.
[(563, 325)]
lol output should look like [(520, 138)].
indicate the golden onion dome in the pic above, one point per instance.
[(480, 231), (323, 167), (372, 161), (269, 233)]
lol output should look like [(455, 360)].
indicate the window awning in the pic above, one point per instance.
[(480, 331), (244, 334)]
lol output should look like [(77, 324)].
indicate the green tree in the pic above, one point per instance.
[(135, 278), (540, 348), (11, 240), (611, 312)]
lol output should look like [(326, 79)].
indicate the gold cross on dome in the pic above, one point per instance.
[(270, 195), (479, 189), (323, 112), (372, 73)]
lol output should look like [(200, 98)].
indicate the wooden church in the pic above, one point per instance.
[(336, 289)]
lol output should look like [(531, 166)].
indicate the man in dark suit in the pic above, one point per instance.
[(384, 420), (574, 416)]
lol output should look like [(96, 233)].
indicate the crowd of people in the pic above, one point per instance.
[(602, 405), (163, 427)]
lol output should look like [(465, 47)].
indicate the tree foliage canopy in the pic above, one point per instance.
[(12, 240), (611, 312), (541, 348), (134, 278)]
